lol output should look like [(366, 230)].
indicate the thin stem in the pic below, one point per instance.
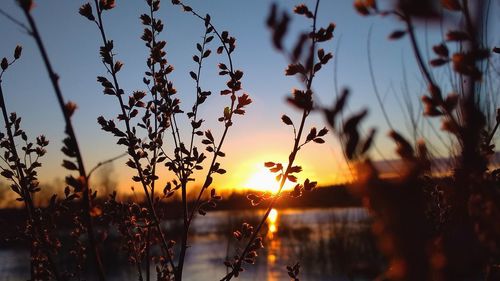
[(30, 207), (102, 163), (15, 21), (425, 70), (71, 133), (188, 217), (155, 148), (374, 84), (291, 158), (131, 150), (490, 137)]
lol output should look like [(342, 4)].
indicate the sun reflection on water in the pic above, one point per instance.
[(272, 221), (273, 246)]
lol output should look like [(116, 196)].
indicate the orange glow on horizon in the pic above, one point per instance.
[(261, 179)]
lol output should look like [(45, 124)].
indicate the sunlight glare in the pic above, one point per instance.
[(272, 220), (263, 180)]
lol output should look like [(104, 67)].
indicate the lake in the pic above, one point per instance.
[(330, 244)]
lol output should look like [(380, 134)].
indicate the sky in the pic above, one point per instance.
[(73, 43)]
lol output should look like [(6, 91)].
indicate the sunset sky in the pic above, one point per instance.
[(259, 136)]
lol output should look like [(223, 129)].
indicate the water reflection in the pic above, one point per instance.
[(272, 222), (330, 244), (273, 246)]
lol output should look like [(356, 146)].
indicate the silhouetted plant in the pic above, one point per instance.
[(306, 60), (430, 228), (159, 116), (418, 246), (22, 172)]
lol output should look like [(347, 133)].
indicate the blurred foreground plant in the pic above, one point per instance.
[(465, 244)]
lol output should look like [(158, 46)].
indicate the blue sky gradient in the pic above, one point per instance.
[(73, 43)]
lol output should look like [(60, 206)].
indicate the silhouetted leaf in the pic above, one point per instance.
[(17, 52), (368, 142), (404, 148), (193, 75), (4, 64), (286, 120), (455, 35), (441, 50), (269, 164), (397, 34), (69, 165)]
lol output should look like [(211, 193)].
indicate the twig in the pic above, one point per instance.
[(102, 163), (71, 133)]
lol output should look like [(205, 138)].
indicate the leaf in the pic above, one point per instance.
[(244, 100), (312, 134), (441, 50), (227, 112), (361, 7), (279, 31), (319, 140), (208, 182), (69, 165), (395, 35), (4, 64), (193, 75), (337, 108), (351, 145), (17, 52), (118, 66), (86, 11), (7, 173), (295, 68), (292, 178), (458, 36), (302, 9), (404, 148), (368, 142), (238, 74), (322, 132), (286, 120), (295, 169), (269, 164)]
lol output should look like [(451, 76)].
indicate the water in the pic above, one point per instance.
[(330, 244)]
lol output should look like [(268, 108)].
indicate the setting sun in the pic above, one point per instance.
[(263, 180)]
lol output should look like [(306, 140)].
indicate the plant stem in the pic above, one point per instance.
[(71, 133), (131, 150), (188, 217), (28, 201), (425, 71), (291, 159)]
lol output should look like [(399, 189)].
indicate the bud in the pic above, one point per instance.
[(4, 64), (17, 52)]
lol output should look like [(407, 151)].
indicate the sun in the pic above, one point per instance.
[(262, 179)]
